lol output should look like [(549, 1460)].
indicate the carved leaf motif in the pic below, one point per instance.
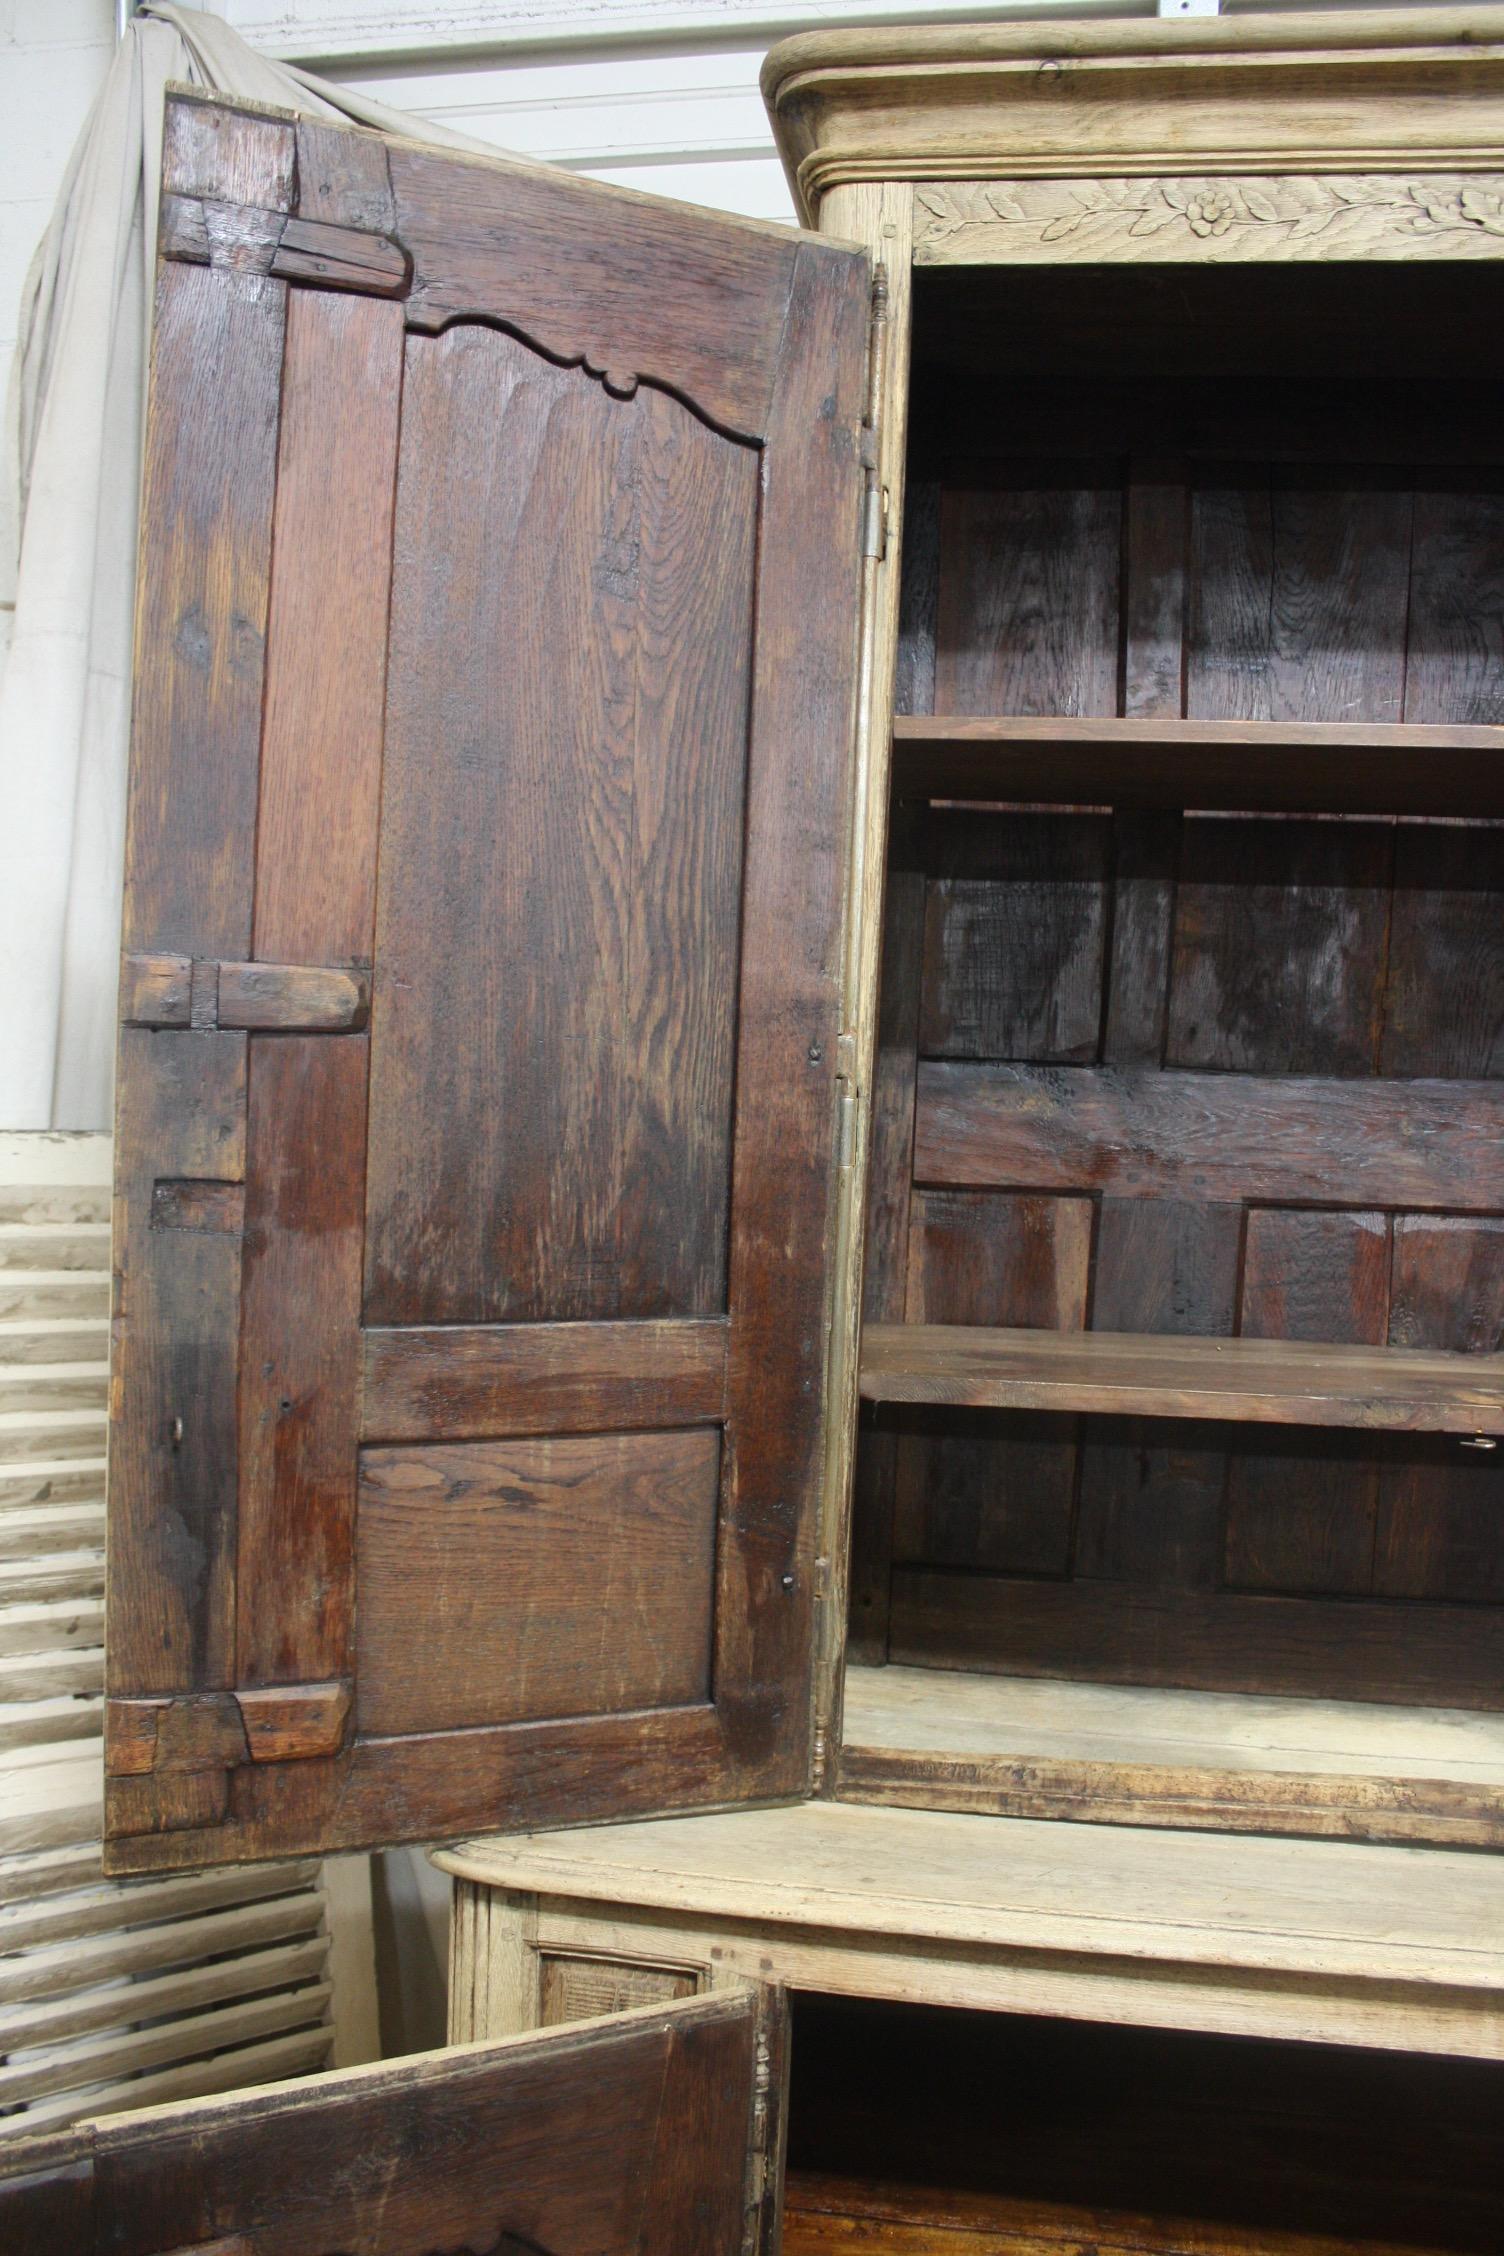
[(935, 202), (1259, 205), (1004, 206), (1484, 210), (1066, 224), (1442, 210), (1150, 221)]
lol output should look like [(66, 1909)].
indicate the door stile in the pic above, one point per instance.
[(881, 217)]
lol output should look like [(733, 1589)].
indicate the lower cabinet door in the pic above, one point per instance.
[(629, 2136)]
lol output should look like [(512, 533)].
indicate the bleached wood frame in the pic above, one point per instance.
[(1212, 140)]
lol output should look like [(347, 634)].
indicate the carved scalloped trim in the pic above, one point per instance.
[(1315, 216), (617, 382)]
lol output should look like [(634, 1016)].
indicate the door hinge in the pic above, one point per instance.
[(875, 496), (846, 1099), (875, 518)]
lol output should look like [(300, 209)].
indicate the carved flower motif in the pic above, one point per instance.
[(1210, 213)]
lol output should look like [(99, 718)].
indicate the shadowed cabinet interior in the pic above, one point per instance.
[(1184, 1290)]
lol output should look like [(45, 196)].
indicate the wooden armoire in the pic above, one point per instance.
[(811, 1154)]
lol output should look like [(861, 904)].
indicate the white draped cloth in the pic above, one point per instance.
[(69, 484)]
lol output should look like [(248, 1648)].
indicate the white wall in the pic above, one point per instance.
[(53, 57)]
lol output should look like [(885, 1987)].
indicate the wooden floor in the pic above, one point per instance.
[(1126, 1754)]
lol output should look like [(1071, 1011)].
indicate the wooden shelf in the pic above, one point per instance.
[(1321, 766), (1268, 1382), (1119, 1754)]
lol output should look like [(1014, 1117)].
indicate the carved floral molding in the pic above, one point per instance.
[(1316, 216)]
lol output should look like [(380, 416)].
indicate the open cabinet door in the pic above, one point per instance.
[(626, 2137), (476, 1113)]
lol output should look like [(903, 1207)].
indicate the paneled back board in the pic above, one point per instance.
[(1190, 1071), (496, 654), (625, 2137)]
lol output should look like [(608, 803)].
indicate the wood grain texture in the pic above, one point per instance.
[(1312, 1276), (969, 1492), (1456, 653), (1145, 1755), (1297, 1521), (1150, 1507), (211, 149), (1214, 1641), (321, 748), (968, 106), (857, 2217), (510, 243), (1028, 619), (1257, 1381), (578, 571), (207, 502), (1444, 994), (1145, 858), (298, 1393), (460, 1382), (600, 2136), (1324, 766), (994, 1257), (1280, 934), (1300, 594), (585, 1989), (180, 1109), (1282, 1140), (1251, 1936), (659, 867), (1155, 533), (510, 1581), (1016, 910), (786, 1171), (181, 1095), (315, 894)]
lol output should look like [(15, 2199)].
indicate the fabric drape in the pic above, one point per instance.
[(69, 485)]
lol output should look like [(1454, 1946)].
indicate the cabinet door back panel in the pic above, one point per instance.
[(496, 680)]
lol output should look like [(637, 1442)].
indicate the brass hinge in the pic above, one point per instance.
[(875, 495), (846, 1099), (875, 518)]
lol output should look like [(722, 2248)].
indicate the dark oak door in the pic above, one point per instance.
[(476, 1110), (627, 2137)]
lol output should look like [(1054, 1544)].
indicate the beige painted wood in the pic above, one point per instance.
[(1224, 217), (881, 219), (1414, 92), (1326, 1942), (1320, 1940), (494, 1985), (1143, 1755)]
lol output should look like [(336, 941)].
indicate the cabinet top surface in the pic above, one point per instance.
[(1325, 92), (1313, 1907)]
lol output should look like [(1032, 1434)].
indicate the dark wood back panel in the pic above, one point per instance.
[(572, 642), (1200, 1073), (496, 685)]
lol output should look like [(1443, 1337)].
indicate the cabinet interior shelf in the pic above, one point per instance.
[(1270, 1382), (1307, 766)]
